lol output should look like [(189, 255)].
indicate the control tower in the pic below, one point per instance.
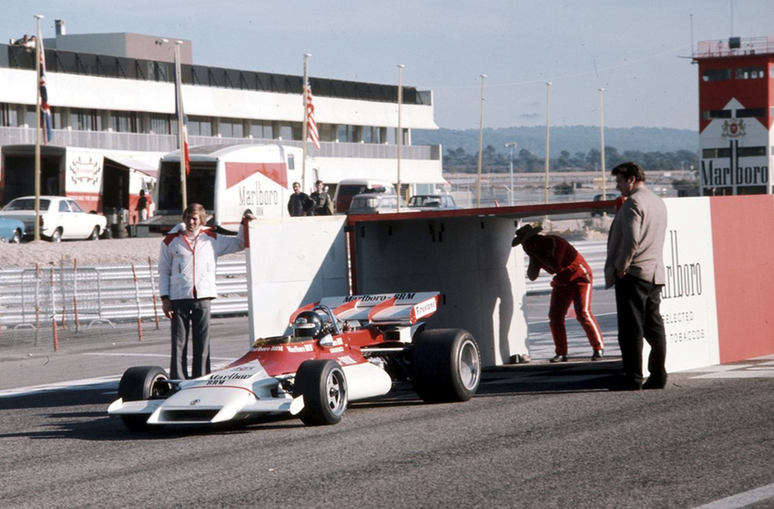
[(736, 108)]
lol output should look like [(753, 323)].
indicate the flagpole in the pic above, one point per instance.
[(305, 126), (38, 126), (400, 126), (181, 142)]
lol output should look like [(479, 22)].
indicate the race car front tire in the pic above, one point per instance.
[(323, 385), (446, 365), (140, 383)]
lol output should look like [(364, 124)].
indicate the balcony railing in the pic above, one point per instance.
[(167, 143), (734, 47)]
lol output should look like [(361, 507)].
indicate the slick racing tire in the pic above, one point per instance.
[(138, 384), (446, 365), (324, 387)]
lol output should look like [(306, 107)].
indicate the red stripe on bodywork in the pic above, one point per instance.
[(237, 172), (308, 307), (379, 307), (346, 307)]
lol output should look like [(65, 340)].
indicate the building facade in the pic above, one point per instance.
[(736, 109), (115, 93)]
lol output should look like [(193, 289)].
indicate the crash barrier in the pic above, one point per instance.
[(38, 305)]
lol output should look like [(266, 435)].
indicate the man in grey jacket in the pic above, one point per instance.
[(635, 266)]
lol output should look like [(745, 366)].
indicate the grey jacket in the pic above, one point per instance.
[(635, 244)]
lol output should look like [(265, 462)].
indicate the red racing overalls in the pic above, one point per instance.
[(572, 283)]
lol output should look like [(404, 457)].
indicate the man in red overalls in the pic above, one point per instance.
[(572, 283)]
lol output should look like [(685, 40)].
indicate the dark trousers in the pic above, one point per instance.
[(193, 315), (638, 303)]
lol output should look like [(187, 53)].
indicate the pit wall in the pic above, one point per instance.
[(717, 303)]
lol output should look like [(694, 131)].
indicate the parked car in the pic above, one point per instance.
[(347, 189), (11, 230), (60, 218), (372, 203), (432, 202)]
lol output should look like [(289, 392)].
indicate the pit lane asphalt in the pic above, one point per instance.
[(536, 435)]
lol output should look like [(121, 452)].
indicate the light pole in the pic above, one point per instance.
[(480, 141), (602, 141), (548, 117), (511, 146)]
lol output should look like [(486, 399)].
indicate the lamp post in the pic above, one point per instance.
[(602, 141), (511, 146), (548, 117), (400, 125), (480, 142)]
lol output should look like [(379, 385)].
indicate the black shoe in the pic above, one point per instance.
[(626, 386), (655, 383), (558, 358), (598, 355)]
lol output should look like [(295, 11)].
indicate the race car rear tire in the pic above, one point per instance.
[(323, 385), (446, 365), (140, 383)]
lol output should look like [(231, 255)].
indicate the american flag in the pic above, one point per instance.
[(310, 122), (45, 109), (184, 148)]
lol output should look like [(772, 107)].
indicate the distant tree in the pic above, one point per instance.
[(564, 188)]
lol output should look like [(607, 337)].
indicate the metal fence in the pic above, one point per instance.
[(40, 304)]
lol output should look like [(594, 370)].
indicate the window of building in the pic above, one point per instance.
[(750, 151), (710, 114), (716, 75), (372, 134), (715, 153), (231, 128), (327, 132), (749, 73), (9, 116), (121, 122), (750, 112), (87, 120), (262, 130), (159, 123), (290, 131), (346, 134), (199, 126)]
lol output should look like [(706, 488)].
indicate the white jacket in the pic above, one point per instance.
[(187, 267)]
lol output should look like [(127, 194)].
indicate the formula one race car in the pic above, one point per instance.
[(342, 349)]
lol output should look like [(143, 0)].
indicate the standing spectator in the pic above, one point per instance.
[(572, 284), (299, 203), (635, 266), (321, 201), (142, 206), (187, 262)]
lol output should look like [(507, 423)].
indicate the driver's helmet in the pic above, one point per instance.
[(307, 325)]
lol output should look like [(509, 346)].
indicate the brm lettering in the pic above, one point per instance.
[(248, 197), (682, 280)]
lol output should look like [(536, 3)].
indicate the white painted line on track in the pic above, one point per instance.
[(165, 356), (742, 499), (104, 382)]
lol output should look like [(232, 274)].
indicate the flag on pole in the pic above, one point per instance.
[(183, 126), (310, 122), (45, 109)]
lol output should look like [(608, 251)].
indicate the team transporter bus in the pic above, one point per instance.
[(227, 180)]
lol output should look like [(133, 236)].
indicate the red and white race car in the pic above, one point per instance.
[(342, 349)]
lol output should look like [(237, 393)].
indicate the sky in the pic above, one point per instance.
[(637, 50)]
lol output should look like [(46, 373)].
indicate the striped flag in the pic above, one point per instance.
[(310, 122), (184, 148), (45, 109)]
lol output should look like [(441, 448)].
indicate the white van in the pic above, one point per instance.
[(348, 188)]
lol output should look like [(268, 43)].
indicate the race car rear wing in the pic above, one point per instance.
[(381, 308)]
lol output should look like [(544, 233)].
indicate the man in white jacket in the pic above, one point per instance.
[(187, 262)]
